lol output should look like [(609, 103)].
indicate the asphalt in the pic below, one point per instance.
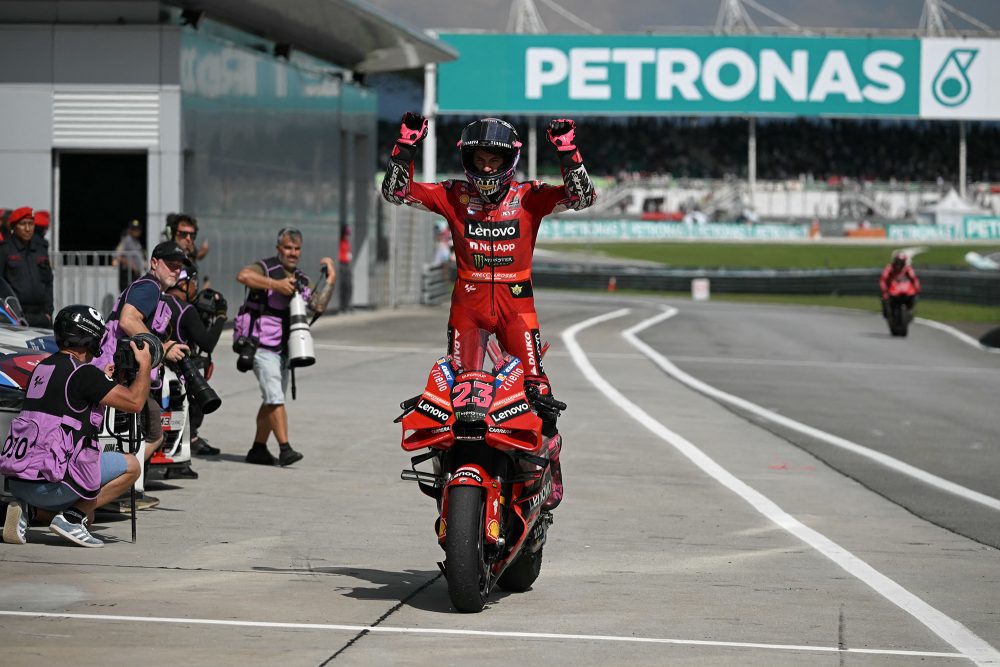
[(655, 557)]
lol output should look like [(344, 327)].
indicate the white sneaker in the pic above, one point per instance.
[(76, 533), (15, 528)]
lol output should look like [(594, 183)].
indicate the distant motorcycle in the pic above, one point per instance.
[(900, 306), (490, 477)]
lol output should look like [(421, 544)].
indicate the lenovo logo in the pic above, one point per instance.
[(502, 231)]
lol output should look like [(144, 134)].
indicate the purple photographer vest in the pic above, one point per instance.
[(50, 440), (113, 332), (265, 312)]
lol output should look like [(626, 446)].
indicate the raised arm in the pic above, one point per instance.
[(580, 191)]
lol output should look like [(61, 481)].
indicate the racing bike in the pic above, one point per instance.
[(490, 472)]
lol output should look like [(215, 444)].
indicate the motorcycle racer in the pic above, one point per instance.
[(494, 221), (897, 273)]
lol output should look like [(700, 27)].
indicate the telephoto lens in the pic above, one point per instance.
[(300, 342), (197, 386)]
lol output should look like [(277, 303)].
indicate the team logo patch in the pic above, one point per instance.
[(464, 198), (520, 290)]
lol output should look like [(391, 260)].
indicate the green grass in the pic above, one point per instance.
[(931, 309), (771, 256)]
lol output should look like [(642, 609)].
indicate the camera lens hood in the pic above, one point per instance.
[(155, 347)]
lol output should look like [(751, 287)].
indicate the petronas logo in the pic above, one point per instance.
[(951, 85)]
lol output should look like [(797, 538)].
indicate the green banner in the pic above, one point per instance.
[(748, 75), (640, 74), (984, 227), (635, 230)]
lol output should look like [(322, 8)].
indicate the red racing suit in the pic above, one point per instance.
[(494, 245), (891, 275)]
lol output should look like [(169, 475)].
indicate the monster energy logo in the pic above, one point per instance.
[(479, 261), (951, 85)]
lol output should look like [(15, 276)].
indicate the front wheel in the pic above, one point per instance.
[(465, 562)]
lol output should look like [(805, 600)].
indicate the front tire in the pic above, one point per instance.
[(465, 562)]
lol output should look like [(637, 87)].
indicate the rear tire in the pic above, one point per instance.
[(465, 563), (522, 573)]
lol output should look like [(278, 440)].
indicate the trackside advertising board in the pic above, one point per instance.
[(635, 230), (721, 75)]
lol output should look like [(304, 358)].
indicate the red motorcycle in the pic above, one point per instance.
[(490, 475), (900, 304)]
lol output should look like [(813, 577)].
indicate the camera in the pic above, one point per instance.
[(126, 365), (245, 348), (197, 385), (210, 304)]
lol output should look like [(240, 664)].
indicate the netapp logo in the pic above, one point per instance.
[(432, 411), (504, 231), (511, 412)]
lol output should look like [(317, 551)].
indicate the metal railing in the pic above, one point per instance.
[(87, 277)]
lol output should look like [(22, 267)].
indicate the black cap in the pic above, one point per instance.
[(135, 224), (169, 250)]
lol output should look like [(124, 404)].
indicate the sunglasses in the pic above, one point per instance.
[(187, 235)]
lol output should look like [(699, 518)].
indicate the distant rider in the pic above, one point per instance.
[(494, 221), (898, 271)]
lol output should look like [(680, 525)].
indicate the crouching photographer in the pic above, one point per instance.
[(271, 336), (57, 469), (196, 319)]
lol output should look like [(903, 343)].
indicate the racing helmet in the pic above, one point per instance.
[(498, 137), (899, 259), (79, 326)]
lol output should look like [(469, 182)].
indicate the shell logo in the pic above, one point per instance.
[(493, 529), (464, 199), (442, 528)]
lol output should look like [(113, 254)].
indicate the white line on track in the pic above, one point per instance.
[(945, 627), (883, 459), (476, 633), (964, 337)]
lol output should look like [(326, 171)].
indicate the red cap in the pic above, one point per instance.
[(20, 214), (41, 218)]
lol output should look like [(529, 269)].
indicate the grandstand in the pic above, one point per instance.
[(728, 165)]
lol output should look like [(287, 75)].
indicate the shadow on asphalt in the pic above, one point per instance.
[(392, 586)]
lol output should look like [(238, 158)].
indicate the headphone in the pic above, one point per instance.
[(174, 221)]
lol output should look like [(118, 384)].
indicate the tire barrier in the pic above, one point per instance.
[(947, 285)]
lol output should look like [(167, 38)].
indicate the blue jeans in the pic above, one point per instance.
[(56, 496)]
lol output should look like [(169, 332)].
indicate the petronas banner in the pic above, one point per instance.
[(721, 75)]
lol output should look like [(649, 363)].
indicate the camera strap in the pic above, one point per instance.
[(293, 384)]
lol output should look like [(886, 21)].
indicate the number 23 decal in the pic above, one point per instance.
[(476, 392)]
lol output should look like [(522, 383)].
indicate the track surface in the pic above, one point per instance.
[(663, 553)]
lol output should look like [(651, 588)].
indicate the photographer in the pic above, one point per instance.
[(56, 467), (139, 310), (272, 283), (196, 319)]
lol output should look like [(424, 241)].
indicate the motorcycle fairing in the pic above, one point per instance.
[(471, 474)]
